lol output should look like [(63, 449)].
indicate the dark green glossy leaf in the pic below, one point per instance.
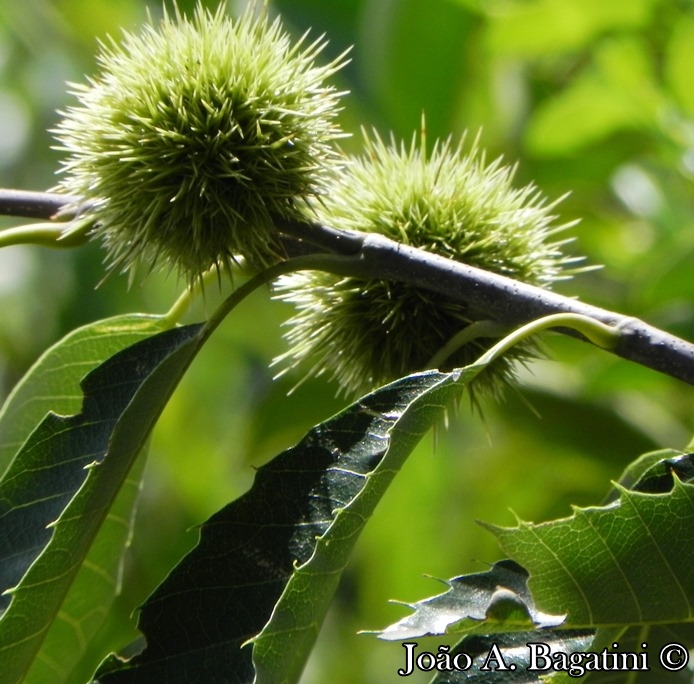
[(66, 477), (246, 604), (654, 472), (53, 384)]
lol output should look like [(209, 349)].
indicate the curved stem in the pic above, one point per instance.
[(184, 302), (600, 334), (309, 262), (44, 234), (470, 332)]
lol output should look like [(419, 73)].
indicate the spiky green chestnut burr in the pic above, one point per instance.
[(452, 203), (195, 136)]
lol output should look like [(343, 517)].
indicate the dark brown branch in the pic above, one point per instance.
[(502, 299), (514, 303), (36, 205)]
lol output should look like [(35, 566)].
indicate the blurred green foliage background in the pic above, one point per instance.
[(591, 98)]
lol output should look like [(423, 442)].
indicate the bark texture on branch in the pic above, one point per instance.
[(492, 296)]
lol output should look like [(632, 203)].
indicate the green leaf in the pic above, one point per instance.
[(497, 612), (484, 603), (654, 472), (635, 560), (52, 385), (247, 603), (59, 490), (84, 628)]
